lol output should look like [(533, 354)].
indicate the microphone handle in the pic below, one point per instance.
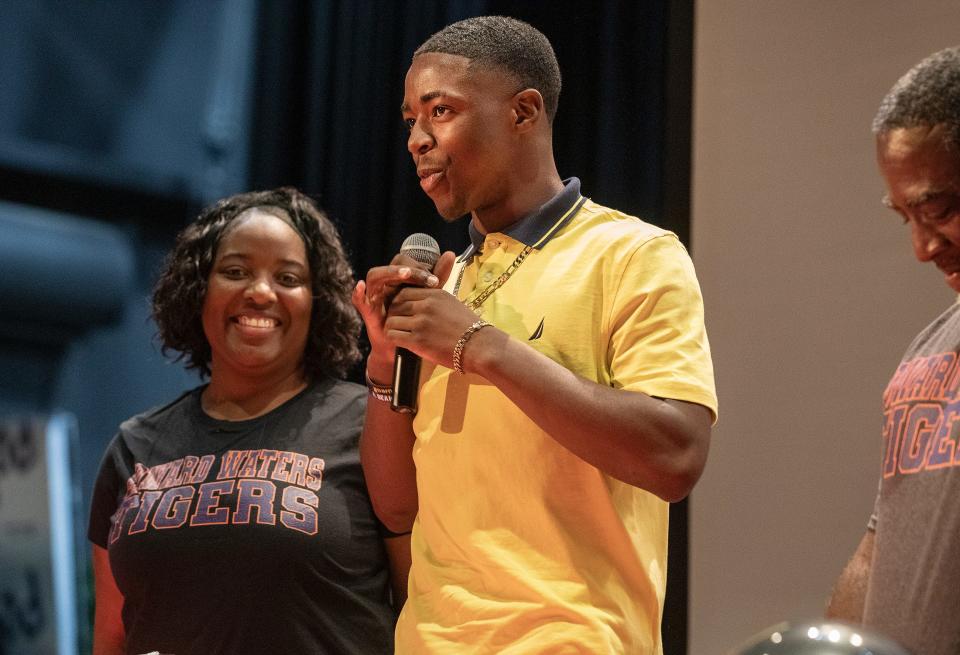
[(406, 380)]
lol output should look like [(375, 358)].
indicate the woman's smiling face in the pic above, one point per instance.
[(257, 307)]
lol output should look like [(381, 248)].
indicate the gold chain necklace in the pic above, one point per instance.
[(496, 284)]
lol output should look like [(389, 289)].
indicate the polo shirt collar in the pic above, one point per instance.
[(537, 228)]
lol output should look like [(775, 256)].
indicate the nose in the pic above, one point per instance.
[(927, 241), (260, 292), (419, 140)]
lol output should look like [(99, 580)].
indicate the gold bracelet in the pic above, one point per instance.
[(378, 391), (462, 341)]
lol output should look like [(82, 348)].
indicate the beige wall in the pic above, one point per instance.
[(811, 293)]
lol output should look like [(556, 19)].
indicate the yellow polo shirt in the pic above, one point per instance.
[(520, 546)]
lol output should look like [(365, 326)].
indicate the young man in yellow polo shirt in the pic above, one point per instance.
[(567, 390)]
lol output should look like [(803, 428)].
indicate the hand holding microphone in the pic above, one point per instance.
[(406, 365), (398, 297)]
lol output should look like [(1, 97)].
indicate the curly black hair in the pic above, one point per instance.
[(178, 297)]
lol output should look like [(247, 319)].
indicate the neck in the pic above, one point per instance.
[(534, 183), (237, 398)]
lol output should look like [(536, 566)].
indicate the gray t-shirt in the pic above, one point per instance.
[(914, 590)]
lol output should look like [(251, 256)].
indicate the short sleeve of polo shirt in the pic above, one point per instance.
[(658, 342)]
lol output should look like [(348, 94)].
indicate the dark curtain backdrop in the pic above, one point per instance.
[(131, 129), (330, 83)]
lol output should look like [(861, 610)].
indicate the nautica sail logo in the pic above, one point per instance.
[(538, 332)]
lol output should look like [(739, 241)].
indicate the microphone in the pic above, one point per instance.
[(406, 365)]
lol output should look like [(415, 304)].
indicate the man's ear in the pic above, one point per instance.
[(528, 108)]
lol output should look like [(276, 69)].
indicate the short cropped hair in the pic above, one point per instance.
[(928, 95), (178, 297), (505, 44)]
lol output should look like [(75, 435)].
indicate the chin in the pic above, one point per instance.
[(450, 214), (256, 361)]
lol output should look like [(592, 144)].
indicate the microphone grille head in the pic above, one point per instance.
[(421, 247)]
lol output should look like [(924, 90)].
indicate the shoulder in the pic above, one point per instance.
[(156, 418), (949, 320), (138, 436), (940, 335), (338, 393), (335, 400), (615, 242), (331, 413), (595, 222)]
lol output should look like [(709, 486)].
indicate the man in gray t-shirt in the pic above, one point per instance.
[(904, 579)]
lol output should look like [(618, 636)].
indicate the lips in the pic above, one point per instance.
[(947, 263), (950, 267), (430, 177), (256, 322)]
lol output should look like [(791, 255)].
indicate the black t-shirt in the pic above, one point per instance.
[(245, 537)]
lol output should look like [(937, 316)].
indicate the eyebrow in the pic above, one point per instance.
[(926, 197), (246, 257), (426, 97), (923, 198)]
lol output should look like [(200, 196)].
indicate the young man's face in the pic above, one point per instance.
[(923, 186), (461, 135)]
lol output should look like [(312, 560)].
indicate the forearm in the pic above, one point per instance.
[(398, 554), (108, 631), (657, 445), (386, 454), (850, 592)]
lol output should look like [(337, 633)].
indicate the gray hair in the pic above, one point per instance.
[(505, 44), (928, 95)]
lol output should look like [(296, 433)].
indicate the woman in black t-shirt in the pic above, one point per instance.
[(235, 519)]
